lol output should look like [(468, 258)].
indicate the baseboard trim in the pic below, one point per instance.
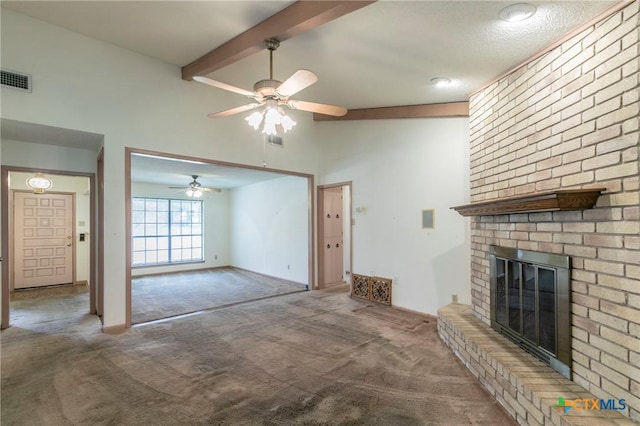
[(335, 284), (269, 276), (433, 318), (208, 268), (114, 329)]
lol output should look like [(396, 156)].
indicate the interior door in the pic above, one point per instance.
[(43, 239), (332, 238)]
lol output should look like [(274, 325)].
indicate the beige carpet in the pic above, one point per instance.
[(310, 358), (162, 296)]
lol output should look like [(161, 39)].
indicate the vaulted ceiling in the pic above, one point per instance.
[(382, 54), (378, 54)]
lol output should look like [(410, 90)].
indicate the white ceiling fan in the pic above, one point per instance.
[(274, 95), (195, 188)]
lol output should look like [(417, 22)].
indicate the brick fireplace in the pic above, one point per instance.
[(569, 119)]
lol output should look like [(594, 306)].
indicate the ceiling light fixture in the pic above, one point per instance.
[(194, 192), (273, 119), (271, 95), (39, 183), (440, 81), (517, 12)]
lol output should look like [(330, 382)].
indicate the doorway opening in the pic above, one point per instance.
[(202, 234), (49, 261), (335, 253)]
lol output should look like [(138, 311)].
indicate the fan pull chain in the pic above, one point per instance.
[(264, 151)]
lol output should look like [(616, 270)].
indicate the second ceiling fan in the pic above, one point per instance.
[(195, 188), (274, 94)]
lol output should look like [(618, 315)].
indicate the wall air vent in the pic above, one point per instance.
[(274, 140), (16, 80)]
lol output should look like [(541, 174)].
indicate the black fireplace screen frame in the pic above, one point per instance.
[(558, 354)]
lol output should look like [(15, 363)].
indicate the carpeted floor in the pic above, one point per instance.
[(310, 358), (48, 305), (161, 296)]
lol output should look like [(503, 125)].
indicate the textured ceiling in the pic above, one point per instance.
[(384, 54), (172, 172)]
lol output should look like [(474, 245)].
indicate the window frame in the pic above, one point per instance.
[(169, 235)]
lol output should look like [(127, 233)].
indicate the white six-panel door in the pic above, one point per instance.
[(43, 239)]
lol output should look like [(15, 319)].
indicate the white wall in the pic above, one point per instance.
[(79, 186), (216, 227), (40, 156), (270, 228), (134, 101), (398, 168)]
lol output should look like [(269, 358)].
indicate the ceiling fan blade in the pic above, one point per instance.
[(224, 86), (211, 189), (178, 187), (299, 80), (232, 111), (336, 111)]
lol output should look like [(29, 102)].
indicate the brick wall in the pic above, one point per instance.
[(570, 119)]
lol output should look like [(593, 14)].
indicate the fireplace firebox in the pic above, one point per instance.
[(530, 303)]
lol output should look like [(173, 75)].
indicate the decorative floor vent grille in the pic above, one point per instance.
[(16, 80), (375, 289)]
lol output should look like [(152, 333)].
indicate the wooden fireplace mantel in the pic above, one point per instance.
[(564, 199)]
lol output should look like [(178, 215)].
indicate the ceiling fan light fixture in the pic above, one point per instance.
[(194, 192), (271, 94), (39, 183), (517, 12), (272, 119), (287, 123), (254, 119)]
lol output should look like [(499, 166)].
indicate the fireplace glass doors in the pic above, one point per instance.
[(530, 303)]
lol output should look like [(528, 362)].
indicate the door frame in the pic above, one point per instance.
[(320, 229), (12, 233), (98, 298), (5, 200), (128, 152)]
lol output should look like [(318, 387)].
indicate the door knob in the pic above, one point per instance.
[(328, 245), (68, 241)]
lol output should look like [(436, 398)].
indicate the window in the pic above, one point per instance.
[(166, 231)]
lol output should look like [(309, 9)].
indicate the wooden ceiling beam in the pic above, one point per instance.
[(299, 17), (452, 109)]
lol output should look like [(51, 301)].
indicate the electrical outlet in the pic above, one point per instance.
[(288, 267), (454, 298), (396, 281), (215, 257)]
